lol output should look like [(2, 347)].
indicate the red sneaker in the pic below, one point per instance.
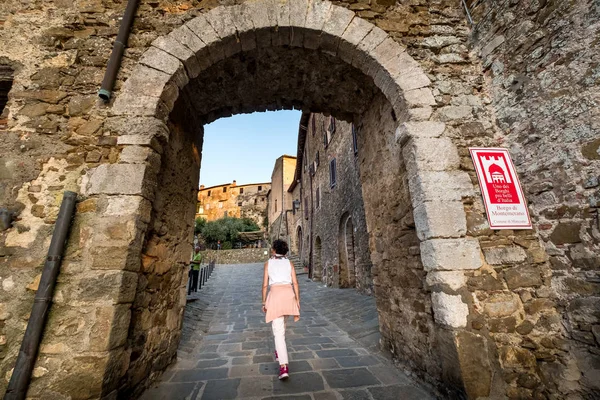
[(283, 372)]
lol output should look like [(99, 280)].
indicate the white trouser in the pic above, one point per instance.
[(278, 326)]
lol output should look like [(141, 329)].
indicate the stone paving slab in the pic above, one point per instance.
[(226, 350)]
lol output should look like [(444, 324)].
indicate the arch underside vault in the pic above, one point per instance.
[(268, 55)]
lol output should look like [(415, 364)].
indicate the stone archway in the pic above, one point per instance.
[(265, 55)]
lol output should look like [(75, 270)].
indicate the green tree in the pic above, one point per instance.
[(199, 223), (226, 229)]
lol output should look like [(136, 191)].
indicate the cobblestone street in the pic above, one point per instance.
[(226, 350)]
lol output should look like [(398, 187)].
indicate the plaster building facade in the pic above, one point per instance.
[(330, 231), (279, 200), (243, 201), (479, 313)]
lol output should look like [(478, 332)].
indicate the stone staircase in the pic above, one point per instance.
[(295, 259)]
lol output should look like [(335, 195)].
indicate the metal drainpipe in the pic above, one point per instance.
[(19, 381), (114, 62), (310, 264)]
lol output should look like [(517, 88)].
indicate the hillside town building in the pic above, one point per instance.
[(476, 312), (327, 226), (231, 200), (279, 199)]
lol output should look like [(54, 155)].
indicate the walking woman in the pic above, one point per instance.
[(283, 299)]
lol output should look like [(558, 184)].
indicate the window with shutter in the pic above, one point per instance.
[(318, 198), (332, 173)]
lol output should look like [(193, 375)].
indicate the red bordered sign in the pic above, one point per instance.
[(502, 194)]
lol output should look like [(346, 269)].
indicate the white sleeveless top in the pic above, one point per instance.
[(280, 271)]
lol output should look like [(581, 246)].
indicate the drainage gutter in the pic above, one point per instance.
[(114, 61), (19, 381)]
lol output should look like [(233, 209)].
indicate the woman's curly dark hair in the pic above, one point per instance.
[(280, 247)]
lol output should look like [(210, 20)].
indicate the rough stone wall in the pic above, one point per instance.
[(236, 256), (157, 311), (501, 317), (334, 204), (279, 200), (541, 69), (254, 203), (215, 202), (54, 133), (403, 300)]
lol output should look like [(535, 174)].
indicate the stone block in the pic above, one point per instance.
[(116, 257), (420, 113), (165, 62), (337, 21), (117, 179), (474, 363), (451, 113), (417, 130), (138, 105), (352, 36), (203, 30), (100, 287), (402, 64), (207, 34), (383, 52), (298, 11), (242, 19), (170, 45), (566, 232), (453, 279), (439, 186), (501, 305), (137, 126), (82, 376), (111, 327), (186, 37), (516, 357), (437, 219), (141, 140), (430, 154), (281, 37), (135, 154), (419, 97), (317, 14), (121, 231), (120, 206), (449, 310), (264, 21), (504, 255), (451, 254), (410, 80), (146, 80), (374, 38), (221, 20)]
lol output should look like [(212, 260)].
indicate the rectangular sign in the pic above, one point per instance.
[(502, 194)]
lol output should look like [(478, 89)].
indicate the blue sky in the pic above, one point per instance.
[(244, 147)]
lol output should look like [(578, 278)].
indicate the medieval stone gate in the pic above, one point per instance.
[(472, 310)]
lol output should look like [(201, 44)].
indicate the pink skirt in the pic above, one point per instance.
[(281, 301)]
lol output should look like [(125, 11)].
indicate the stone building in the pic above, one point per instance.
[(279, 200), (330, 231), (479, 313), (231, 200)]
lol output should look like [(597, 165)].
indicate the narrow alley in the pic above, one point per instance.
[(226, 350)]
